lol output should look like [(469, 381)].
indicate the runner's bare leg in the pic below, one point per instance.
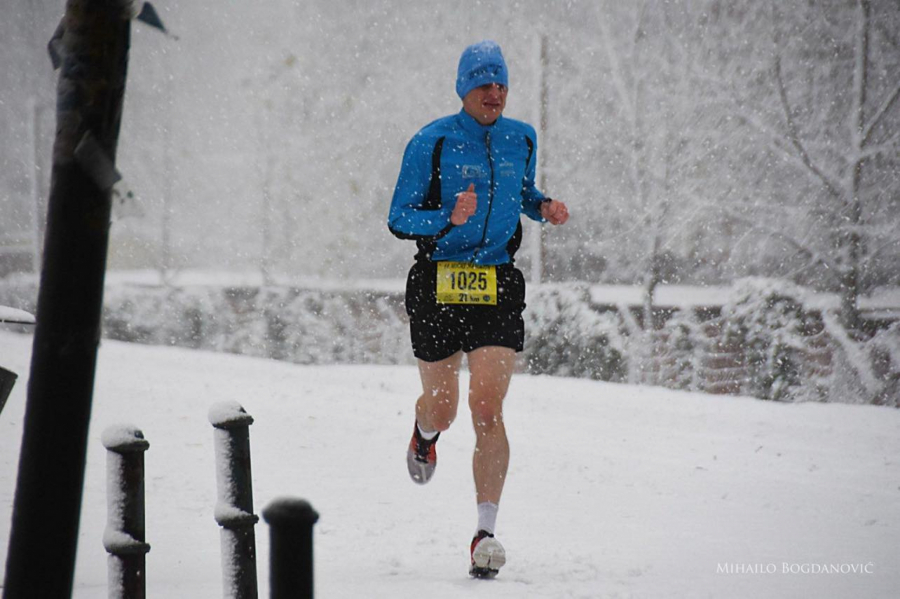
[(491, 369), (436, 407)]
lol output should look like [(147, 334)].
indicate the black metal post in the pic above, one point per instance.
[(7, 380), (234, 510), (43, 539), (291, 548), (125, 537)]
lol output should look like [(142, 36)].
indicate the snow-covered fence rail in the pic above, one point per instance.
[(291, 548), (125, 536), (234, 509)]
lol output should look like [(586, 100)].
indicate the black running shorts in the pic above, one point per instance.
[(440, 330)]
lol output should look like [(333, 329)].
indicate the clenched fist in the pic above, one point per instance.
[(554, 212), (466, 203)]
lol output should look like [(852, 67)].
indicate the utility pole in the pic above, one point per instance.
[(166, 260), (538, 261), (91, 44)]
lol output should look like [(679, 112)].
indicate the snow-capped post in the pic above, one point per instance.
[(124, 538), (291, 548), (234, 509)]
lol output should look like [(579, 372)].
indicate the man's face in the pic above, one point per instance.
[(486, 103)]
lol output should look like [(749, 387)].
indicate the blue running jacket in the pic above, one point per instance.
[(441, 161)]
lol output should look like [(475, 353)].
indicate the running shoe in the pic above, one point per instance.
[(488, 555), (421, 457)]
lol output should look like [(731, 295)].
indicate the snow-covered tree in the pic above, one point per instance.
[(822, 99), (770, 321), (680, 143), (668, 133)]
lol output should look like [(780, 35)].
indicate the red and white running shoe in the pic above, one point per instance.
[(488, 555), (421, 457)]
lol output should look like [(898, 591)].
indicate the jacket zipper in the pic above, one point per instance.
[(487, 142)]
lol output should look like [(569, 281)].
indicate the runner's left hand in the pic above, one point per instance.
[(554, 212)]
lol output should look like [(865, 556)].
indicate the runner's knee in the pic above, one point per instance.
[(441, 406), (443, 416), (487, 413)]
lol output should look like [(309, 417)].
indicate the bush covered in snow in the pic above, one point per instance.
[(678, 348), (297, 325), (566, 337), (769, 319), (870, 368), (768, 342), (885, 355)]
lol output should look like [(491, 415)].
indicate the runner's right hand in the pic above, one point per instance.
[(466, 203)]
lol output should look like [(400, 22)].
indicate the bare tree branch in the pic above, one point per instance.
[(813, 256), (776, 141), (879, 114), (860, 77), (891, 145), (616, 69), (879, 249), (888, 34), (793, 134)]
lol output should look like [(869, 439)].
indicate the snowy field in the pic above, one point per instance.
[(614, 491)]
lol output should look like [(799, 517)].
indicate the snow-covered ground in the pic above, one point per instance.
[(614, 491)]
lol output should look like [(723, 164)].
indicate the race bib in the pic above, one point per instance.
[(464, 283)]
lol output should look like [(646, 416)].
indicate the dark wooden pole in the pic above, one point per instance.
[(94, 51)]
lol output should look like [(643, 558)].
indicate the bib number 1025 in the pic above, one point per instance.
[(464, 283)]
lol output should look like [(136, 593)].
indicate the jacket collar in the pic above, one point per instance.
[(470, 125)]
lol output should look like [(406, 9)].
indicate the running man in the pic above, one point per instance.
[(464, 182)]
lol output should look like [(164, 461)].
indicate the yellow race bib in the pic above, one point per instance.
[(464, 283)]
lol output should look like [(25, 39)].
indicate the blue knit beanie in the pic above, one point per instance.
[(479, 64)]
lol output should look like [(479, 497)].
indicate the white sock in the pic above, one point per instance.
[(429, 435), (487, 516)]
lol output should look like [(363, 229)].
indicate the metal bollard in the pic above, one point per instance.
[(124, 538), (234, 509), (291, 547)]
